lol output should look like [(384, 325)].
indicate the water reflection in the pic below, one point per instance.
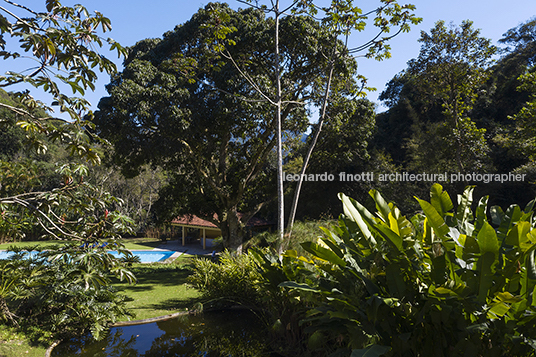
[(212, 334)]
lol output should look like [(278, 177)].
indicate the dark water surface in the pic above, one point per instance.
[(211, 334)]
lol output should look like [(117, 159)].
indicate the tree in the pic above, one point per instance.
[(342, 148), (341, 18), (180, 105), (448, 75), (61, 40), (72, 289)]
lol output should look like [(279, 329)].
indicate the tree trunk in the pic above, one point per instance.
[(280, 195), (232, 231), (294, 206)]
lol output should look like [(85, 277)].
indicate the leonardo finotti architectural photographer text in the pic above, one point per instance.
[(407, 177)]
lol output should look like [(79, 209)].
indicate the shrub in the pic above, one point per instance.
[(232, 280), (444, 283), (64, 291)]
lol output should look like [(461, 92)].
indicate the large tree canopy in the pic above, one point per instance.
[(179, 105), (436, 94)]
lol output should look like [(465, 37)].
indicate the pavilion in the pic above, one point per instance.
[(209, 230)]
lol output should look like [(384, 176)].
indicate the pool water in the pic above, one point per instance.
[(146, 256)]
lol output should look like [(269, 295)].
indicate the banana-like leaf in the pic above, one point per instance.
[(351, 210), (487, 239), (464, 213), (295, 285), (440, 199), (323, 253), (381, 205), (511, 216), (501, 304), (434, 219), (481, 214), (489, 257), (390, 236), (497, 215), (518, 234)]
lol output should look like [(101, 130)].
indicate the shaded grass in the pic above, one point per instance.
[(14, 343), (161, 289)]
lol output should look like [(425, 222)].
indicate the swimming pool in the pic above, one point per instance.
[(146, 256)]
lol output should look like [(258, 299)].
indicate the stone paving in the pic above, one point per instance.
[(192, 249)]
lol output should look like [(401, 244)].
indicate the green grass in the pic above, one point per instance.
[(14, 343), (162, 289), (43, 243), (130, 243), (141, 243)]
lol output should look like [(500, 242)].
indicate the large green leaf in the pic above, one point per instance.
[(481, 215), (295, 285), (390, 236), (440, 199), (487, 239), (510, 217), (381, 205), (323, 253), (497, 215), (464, 213), (352, 211), (435, 220), (489, 257), (518, 234)]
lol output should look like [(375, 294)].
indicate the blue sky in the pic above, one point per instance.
[(133, 20)]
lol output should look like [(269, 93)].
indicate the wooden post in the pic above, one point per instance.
[(183, 236), (204, 239)]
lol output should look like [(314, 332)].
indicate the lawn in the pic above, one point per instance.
[(130, 243), (162, 289), (13, 343)]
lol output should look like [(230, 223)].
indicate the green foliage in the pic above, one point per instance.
[(303, 231), (62, 291), (444, 282), (62, 42), (181, 106), (524, 135), (233, 279), (436, 94), (65, 290)]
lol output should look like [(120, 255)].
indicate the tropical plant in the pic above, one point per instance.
[(62, 291), (443, 283)]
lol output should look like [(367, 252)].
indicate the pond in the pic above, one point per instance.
[(210, 334)]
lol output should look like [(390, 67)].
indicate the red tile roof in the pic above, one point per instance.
[(193, 220)]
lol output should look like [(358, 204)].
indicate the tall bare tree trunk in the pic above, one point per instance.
[(280, 196), (321, 119)]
